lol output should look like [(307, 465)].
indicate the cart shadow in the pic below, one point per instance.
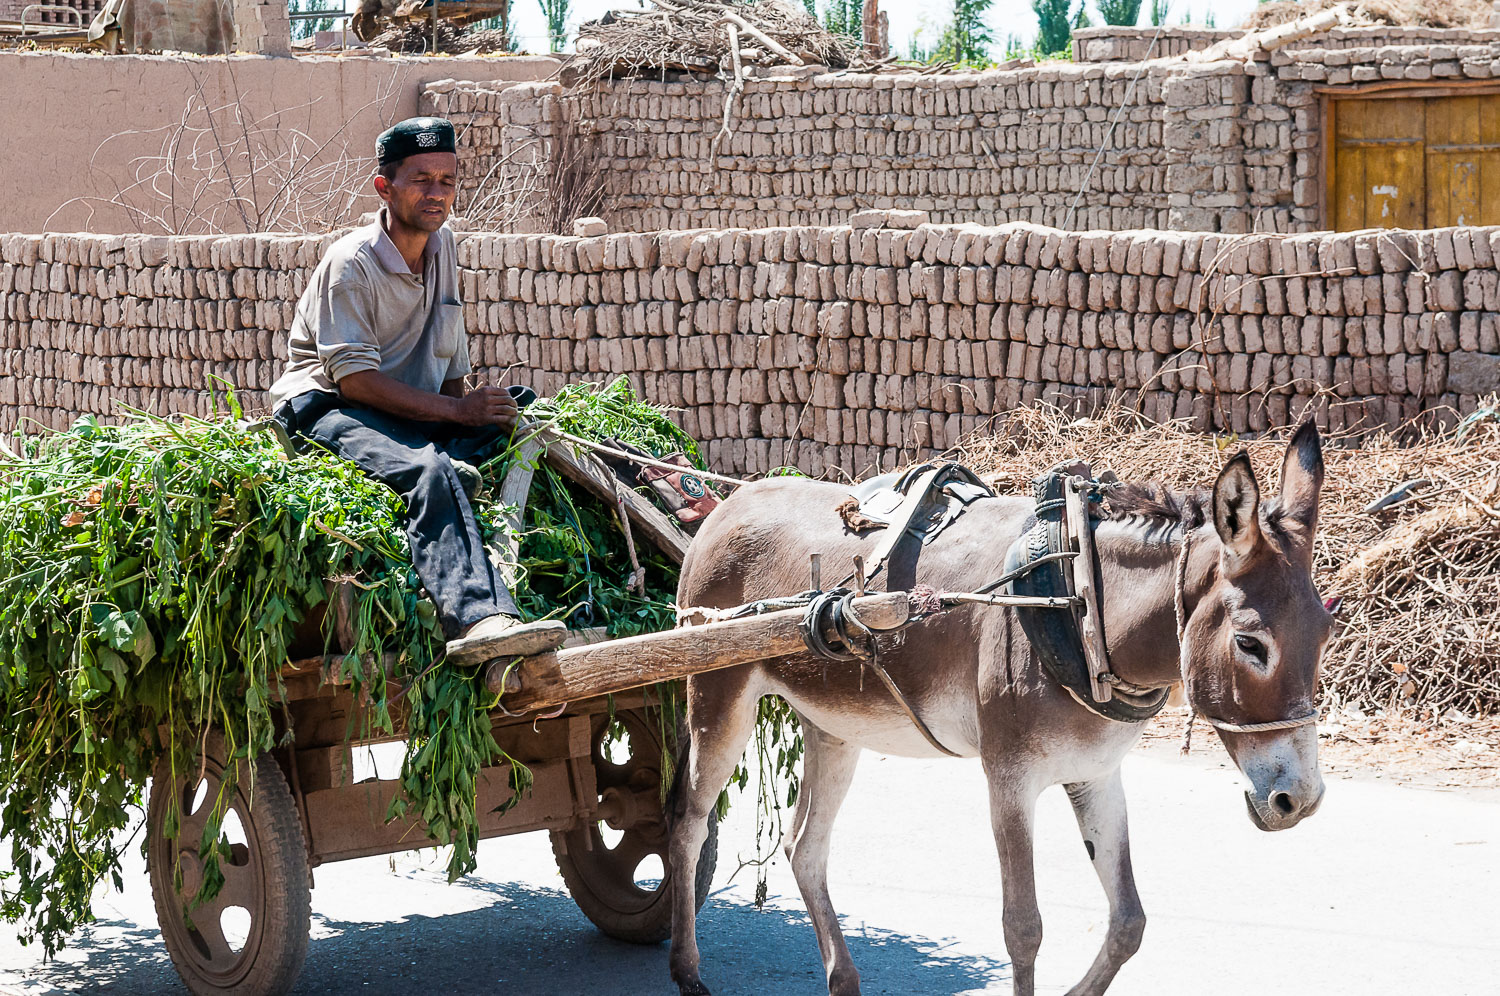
[(533, 940)]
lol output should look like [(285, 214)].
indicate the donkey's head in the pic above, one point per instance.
[(1252, 643)]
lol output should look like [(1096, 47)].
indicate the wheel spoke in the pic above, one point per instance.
[(209, 934), (239, 878), (192, 823), (627, 856), (194, 820)]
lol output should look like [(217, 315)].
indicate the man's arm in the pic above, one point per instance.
[(481, 406)]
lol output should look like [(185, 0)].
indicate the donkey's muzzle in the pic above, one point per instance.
[(1284, 807)]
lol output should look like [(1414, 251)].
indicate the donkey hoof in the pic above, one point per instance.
[(842, 983)]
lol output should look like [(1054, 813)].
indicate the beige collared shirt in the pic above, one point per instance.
[(365, 310)]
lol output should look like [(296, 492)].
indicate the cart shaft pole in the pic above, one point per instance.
[(551, 680)]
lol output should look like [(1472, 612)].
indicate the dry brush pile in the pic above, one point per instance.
[(1419, 628), (703, 36)]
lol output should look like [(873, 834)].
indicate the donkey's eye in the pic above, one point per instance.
[(1251, 646)]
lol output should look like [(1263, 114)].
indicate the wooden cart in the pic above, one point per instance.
[(301, 809)]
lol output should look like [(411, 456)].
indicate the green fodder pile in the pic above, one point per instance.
[(1419, 627), (153, 575)]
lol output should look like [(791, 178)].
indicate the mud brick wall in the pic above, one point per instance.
[(985, 147), (11, 10), (1122, 44), (838, 347), (1245, 139), (1116, 43), (1230, 147)]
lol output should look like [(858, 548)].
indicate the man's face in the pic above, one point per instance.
[(421, 193)]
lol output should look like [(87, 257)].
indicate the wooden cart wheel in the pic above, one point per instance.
[(616, 869), (251, 938)]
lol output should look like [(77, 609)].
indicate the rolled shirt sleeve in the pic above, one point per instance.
[(345, 324)]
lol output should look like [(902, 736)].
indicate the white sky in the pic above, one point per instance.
[(907, 17)]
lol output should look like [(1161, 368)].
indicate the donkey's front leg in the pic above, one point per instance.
[(827, 770), (1100, 808), (1012, 810)]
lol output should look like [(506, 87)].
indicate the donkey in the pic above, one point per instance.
[(1213, 590)]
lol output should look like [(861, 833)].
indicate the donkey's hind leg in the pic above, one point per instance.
[(1100, 808), (721, 710), (827, 770)]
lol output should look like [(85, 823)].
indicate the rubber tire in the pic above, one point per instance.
[(653, 924), (285, 916)]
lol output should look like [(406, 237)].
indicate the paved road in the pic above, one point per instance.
[(1387, 890)]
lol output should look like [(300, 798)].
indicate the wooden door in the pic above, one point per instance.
[(1415, 162), (1463, 161), (1378, 164)]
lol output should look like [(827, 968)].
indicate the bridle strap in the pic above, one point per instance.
[(1275, 724)]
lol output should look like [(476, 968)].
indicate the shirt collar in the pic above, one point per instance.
[(390, 257)]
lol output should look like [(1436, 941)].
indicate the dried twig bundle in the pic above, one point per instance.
[(1420, 578), (691, 35)]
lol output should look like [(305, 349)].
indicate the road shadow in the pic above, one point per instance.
[(534, 942)]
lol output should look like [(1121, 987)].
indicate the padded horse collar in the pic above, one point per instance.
[(1039, 562)]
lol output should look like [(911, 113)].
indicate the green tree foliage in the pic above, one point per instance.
[(1159, 10), (970, 36), (920, 50), (1054, 25), (304, 27), (1125, 12), (500, 22), (556, 12), (845, 17)]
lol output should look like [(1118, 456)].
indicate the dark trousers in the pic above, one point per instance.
[(415, 459)]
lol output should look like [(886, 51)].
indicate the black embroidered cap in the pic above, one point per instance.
[(413, 137)]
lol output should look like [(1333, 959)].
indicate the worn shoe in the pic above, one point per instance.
[(469, 477), (506, 636)]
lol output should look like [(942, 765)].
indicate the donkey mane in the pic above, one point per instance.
[(1155, 501)]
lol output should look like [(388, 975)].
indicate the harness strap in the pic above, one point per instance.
[(855, 641)]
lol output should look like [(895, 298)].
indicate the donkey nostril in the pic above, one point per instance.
[(1283, 803)]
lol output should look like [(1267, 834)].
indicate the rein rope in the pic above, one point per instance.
[(1179, 608)]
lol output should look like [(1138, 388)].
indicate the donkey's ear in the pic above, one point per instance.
[(1302, 478), (1237, 507)]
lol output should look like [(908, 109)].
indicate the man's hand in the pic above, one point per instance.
[(487, 406), (482, 406)]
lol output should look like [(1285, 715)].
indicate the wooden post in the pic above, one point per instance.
[(870, 31), (578, 673)]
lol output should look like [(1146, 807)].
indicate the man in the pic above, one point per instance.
[(376, 373)]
